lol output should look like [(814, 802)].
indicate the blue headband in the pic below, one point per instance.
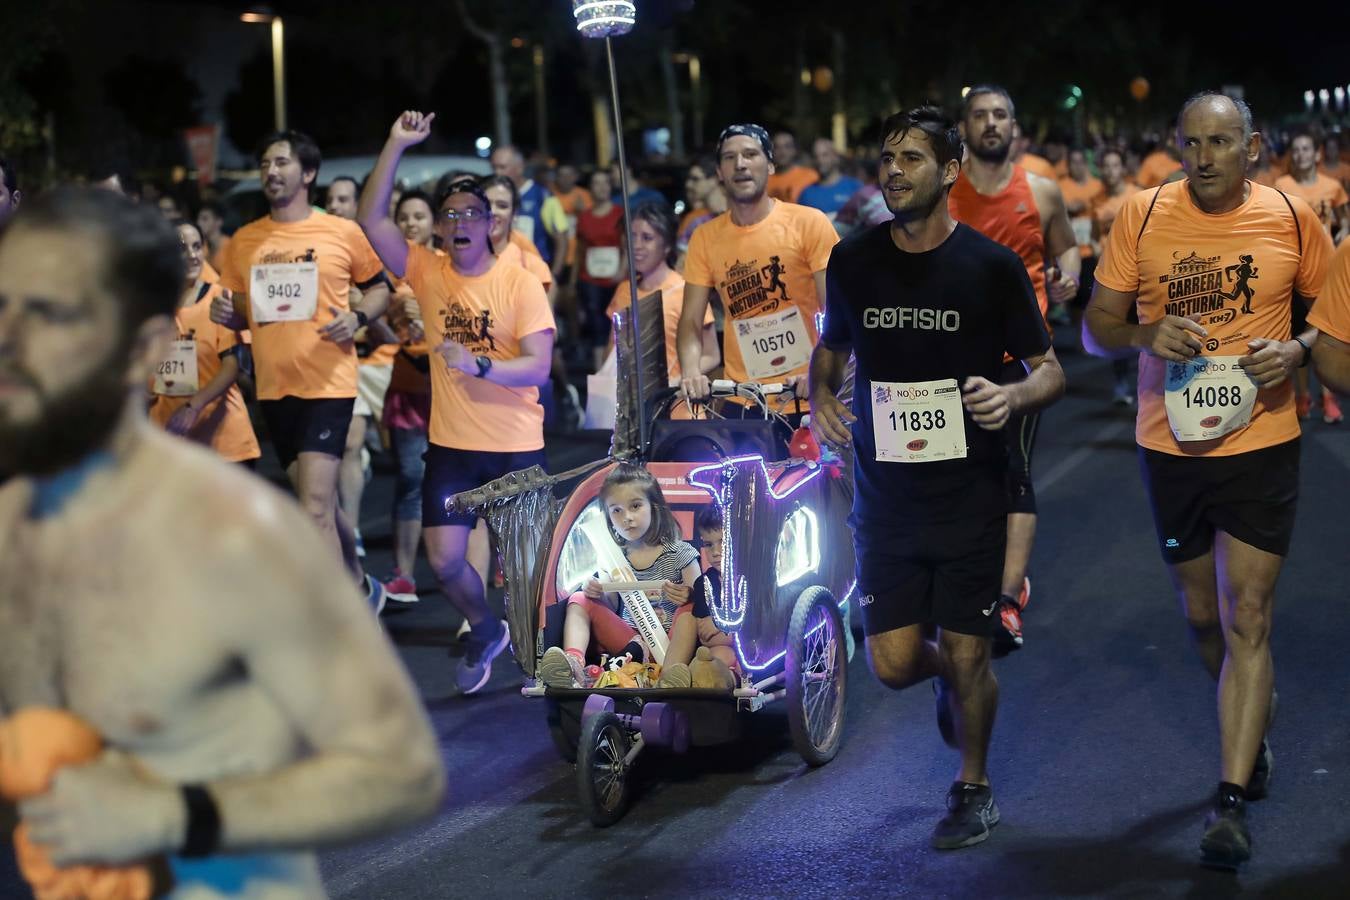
[(750, 130)]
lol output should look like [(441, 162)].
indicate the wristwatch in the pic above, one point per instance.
[(484, 366), (1307, 351), (362, 320)]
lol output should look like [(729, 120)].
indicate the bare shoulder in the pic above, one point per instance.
[(1046, 191)]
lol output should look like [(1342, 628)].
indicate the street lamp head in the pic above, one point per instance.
[(604, 18), (258, 15)]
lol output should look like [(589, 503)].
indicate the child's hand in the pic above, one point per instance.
[(676, 593), (592, 590)]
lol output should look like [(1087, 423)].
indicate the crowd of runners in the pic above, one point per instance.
[(448, 324)]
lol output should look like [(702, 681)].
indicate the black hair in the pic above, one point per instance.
[(1239, 104), (356, 185), (662, 220), (215, 207), (705, 164), (142, 261), (941, 131), (663, 529), (982, 89), (414, 195), (709, 518), (491, 181), (8, 175), (301, 144)]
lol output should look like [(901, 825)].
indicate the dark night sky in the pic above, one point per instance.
[(354, 65)]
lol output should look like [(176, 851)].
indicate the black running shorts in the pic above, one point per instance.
[(947, 574), (1020, 434), (297, 425), (1251, 496), (449, 472)]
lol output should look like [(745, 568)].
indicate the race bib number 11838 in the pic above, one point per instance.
[(922, 421)]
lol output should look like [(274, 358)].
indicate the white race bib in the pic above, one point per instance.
[(918, 422), (284, 292), (602, 262), (773, 344), (1207, 397), (176, 374)]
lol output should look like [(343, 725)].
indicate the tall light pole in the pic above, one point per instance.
[(604, 19), (695, 95), (262, 15)]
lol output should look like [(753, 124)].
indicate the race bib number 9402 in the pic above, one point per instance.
[(921, 421), (284, 292), (1208, 397)]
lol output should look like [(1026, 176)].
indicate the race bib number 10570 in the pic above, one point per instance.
[(284, 292)]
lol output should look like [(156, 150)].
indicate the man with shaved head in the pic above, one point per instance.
[(1213, 263)]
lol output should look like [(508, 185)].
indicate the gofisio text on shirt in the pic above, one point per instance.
[(920, 318)]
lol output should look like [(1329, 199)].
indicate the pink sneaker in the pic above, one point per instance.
[(401, 589)]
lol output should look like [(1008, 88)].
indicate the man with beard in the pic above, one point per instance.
[(1025, 213), (291, 275), (766, 259), (1217, 430), (241, 732), (927, 307)]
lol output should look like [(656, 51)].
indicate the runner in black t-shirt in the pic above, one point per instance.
[(927, 307)]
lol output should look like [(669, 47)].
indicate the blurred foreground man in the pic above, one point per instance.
[(249, 704)]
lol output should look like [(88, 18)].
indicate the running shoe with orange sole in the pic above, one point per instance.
[(1331, 409)]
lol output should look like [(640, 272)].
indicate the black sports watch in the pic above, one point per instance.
[(1307, 351), (484, 366), (362, 320)]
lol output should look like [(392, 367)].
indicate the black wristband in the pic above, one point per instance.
[(1307, 352), (361, 318), (203, 822)]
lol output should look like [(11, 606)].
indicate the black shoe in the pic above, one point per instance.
[(1259, 785), (943, 700), (971, 814), (1227, 843)]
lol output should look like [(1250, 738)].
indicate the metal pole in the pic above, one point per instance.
[(540, 107), (695, 89), (628, 249), (279, 73)]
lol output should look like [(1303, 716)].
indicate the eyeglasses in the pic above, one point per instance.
[(472, 214)]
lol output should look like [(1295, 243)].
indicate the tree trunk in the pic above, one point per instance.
[(672, 99), (501, 110)]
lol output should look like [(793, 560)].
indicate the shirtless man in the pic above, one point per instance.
[(292, 721)]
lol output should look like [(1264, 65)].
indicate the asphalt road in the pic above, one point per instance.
[(1104, 756)]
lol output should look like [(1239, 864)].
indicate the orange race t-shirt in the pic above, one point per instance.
[(1086, 194), (530, 261), (788, 185), (1331, 312), (1235, 274), (1037, 165), (488, 314), (1107, 207), (1339, 170), (1155, 168), (290, 358), (672, 303), (218, 258), (764, 273), (223, 424), (1325, 195)]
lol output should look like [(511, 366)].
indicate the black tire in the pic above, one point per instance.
[(602, 775), (564, 733), (816, 671)]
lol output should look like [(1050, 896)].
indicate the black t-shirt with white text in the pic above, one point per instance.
[(949, 312)]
